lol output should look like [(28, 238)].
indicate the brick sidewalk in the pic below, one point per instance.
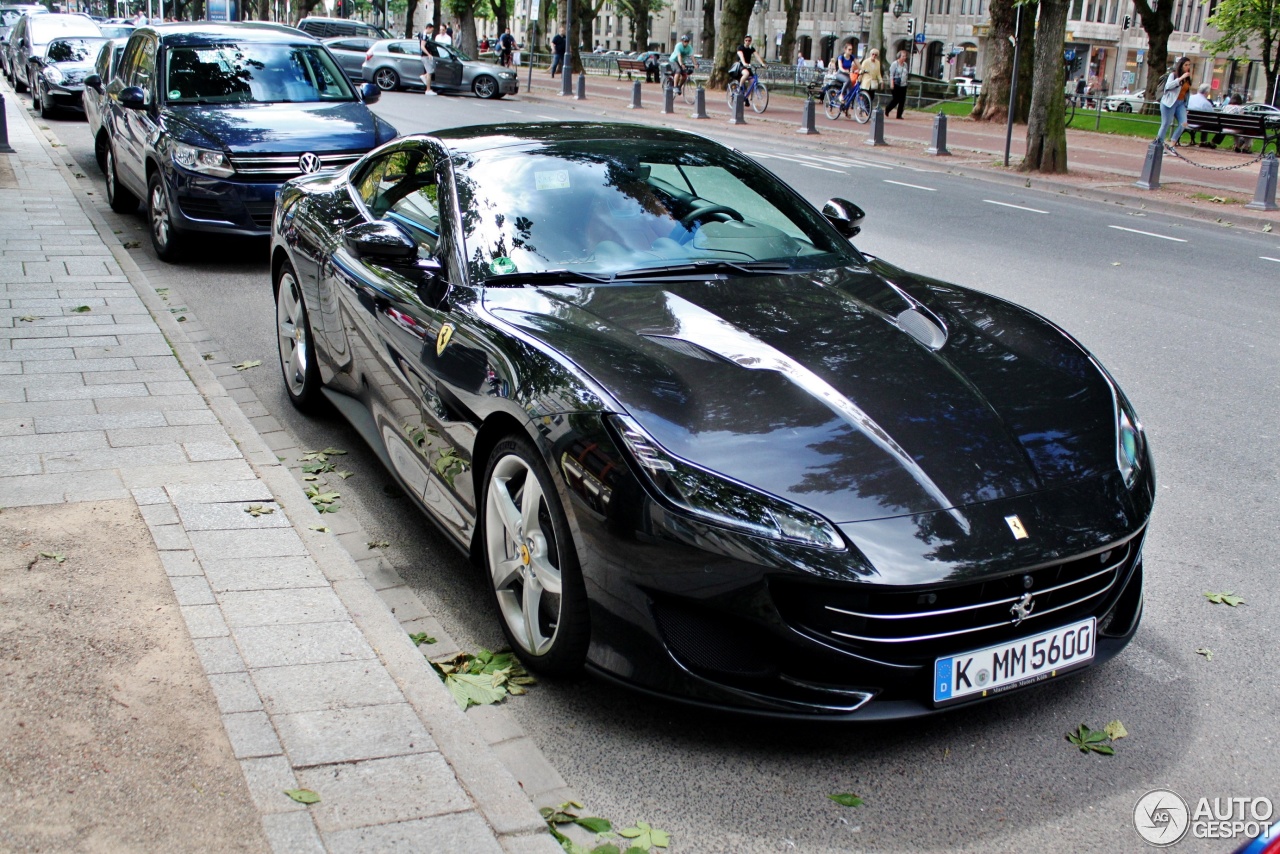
[(317, 683)]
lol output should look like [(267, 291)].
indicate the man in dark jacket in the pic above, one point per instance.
[(558, 44)]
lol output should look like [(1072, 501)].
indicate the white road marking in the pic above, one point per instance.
[(517, 112), (1269, 258), (1147, 233), (830, 161), (1018, 207), (549, 118), (823, 168), (912, 186)]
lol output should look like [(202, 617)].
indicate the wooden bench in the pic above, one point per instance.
[(1239, 124), (628, 65)]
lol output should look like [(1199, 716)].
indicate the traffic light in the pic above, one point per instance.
[(911, 26), (1128, 21)]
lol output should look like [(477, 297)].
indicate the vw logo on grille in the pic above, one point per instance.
[(309, 163)]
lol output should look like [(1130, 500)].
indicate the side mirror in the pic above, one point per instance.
[(381, 243), (94, 82), (845, 216), (132, 97), (369, 93)]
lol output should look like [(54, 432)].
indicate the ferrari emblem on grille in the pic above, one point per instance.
[(1022, 608), (1015, 525), (442, 337), (309, 163)]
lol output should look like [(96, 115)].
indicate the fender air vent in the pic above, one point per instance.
[(921, 328)]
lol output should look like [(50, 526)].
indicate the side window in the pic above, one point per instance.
[(402, 189), (144, 70), (129, 59), (103, 64)]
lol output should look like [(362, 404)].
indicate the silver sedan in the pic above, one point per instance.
[(397, 64)]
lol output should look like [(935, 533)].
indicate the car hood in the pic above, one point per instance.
[(285, 128), (826, 389)]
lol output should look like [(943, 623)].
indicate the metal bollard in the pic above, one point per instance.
[(807, 125), (566, 78), (876, 137), (1150, 179), (669, 100), (938, 146), (699, 104), (5, 147), (1264, 198), (738, 102), (635, 96), (582, 88)]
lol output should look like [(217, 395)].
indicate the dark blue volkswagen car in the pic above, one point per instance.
[(205, 121)]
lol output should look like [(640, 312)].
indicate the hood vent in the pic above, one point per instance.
[(685, 348), (922, 328)]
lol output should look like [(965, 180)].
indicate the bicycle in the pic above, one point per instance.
[(856, 103), (1070, 111), (685, 90), (757, 94)]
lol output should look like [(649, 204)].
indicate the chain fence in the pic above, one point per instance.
[(1169, 149)]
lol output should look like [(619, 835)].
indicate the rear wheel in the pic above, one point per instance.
[(760, 98), (831, 102), (100, 145), (297, 355), (386, 79), (485, 87), (120, 199), (532, 564), (1124, 107)]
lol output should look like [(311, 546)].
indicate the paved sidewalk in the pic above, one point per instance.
[(103, 397), (1103, 166)]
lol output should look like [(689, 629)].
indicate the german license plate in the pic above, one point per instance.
[(1012, 665)]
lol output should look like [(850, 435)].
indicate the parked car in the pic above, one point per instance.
[(31, 36), (697, 440), (94, 98), (60, 83), (117, 31), (324, 28), (9, 15), (350, 51), (397, 64), (1131, 103), (967, 87), (206, 120), (1262, 110)]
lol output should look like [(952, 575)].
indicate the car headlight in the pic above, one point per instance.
[(1130, 441), (53, 75), (202, 160), (506, 75), (719, 501)]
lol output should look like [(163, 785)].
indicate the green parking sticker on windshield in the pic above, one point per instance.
[(174, 93), (502, 264)]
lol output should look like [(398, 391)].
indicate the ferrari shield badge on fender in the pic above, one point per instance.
[(446, 332), (1015, 524)]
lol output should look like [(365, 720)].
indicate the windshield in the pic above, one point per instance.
[(257, 73), (9, 17), (616, 206), (74, 50), (45, 28)]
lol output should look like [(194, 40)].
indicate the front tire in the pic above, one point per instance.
[(120, 199), (760, 98), (165, 237), (297, 353), (861, 110), (386, 79), (485, 87), (1124, 107), (532, 563), (730, 91)]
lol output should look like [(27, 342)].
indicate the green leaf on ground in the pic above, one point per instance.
[(847, 800), (321, 528), (57, 557), (131, 244), (322, 456), (420, 638), (164, 292), (1115, 730), (303, 796), (208, 357), (344, 474), (1091, 740), (246, 365), (378, 544), (81, 309), (317, 467), (256, 510), (329, 508), (644, 837), (1225, 599), (28, 318), (182, 318), (1206, 652), (483, 678)]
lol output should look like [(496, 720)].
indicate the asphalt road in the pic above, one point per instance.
[(1184, 315)]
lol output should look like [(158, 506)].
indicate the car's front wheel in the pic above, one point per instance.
[(120, 199), (386, 79), (531, 561), (297, 356), (46, 108), (1124, 108), (485, 87), (164, 236)]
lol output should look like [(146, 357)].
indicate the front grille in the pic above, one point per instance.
[(281, 167), (202, 208), (260, 213), (915, 625)]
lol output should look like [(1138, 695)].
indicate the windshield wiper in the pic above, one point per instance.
[(702, 268), (545, 277)]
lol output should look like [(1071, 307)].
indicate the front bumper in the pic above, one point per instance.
[(65, 97), (221, 205)]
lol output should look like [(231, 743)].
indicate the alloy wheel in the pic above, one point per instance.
[(295, 343), (386, 79), (158, 213), (485, 87)]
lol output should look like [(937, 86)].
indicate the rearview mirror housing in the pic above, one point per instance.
[(369, 93), (381, 243), (845, 216)]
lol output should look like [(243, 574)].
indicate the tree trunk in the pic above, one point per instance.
[(997, 71), (1158, 24), (465, 36), (788, 50), (735, 17), (436, 18), (410, 11), (707, 41), (875, 37), (1026, 63), (500, 14), (1046, 125)]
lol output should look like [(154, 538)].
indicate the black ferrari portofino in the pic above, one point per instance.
[(699, 442)]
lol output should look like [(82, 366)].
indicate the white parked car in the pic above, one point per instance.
[(967, 87), (1131, 103), (1262, 110)]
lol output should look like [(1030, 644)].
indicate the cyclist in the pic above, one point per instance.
[(682, 62), (746, 55), (846, 68)]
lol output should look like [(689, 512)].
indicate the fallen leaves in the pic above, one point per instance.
[(28, 318), (81, 309), (1095, 740), (322, 456), (377, 544), (484, 678), (303, 796), (1115, 730), (644, 837), (256, 510), (1225, 599), (324, 529), (131, 244), (419, 638), (246, 365), (56, 557), (323, 501), (1206, 652), (847, 799)]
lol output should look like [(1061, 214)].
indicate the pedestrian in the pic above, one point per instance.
[(899, 72), (428, 57), (443, 37), (1235, 106), (1080, 86), (1173, 101), (557, 51), (872, 75), (506, 47), (1199, 100), (652, 67)]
